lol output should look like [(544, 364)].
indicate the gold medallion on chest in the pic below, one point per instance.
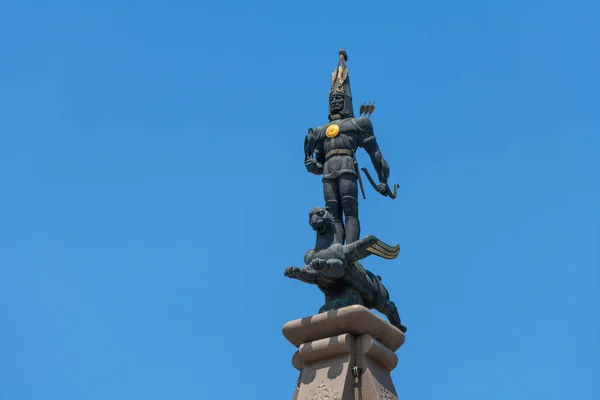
[(332, 131)]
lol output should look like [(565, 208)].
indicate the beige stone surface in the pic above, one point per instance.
[(334, 346), (356, 320)]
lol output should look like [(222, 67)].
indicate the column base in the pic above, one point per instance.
[(344, 354)]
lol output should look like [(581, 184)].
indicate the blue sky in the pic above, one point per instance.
[(153, 192)]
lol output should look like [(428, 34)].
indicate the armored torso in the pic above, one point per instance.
[(338, 141)]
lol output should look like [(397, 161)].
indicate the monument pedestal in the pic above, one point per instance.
[(344, 354)]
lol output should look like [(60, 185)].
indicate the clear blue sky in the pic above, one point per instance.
[(153, 192)]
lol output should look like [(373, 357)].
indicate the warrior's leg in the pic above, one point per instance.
[(333, 206), (349, 195)]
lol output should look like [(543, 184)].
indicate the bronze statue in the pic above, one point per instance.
[(333, 264), (330, 151), (336, 270)]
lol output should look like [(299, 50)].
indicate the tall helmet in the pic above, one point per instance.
[(340, 85)]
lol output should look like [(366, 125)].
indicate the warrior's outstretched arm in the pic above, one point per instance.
[(369, 143), (381, 166)]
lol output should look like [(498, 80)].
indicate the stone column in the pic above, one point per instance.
[(344, 354)]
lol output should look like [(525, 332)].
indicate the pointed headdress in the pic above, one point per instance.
[(340, 85)]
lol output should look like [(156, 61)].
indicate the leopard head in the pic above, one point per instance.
[(321, 220)]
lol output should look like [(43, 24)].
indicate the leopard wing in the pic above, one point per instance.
[(368, 245)]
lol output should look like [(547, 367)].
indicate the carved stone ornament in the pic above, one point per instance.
[(323, 392), (385, 394)]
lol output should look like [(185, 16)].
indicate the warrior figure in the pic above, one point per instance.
[(330, 151)]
